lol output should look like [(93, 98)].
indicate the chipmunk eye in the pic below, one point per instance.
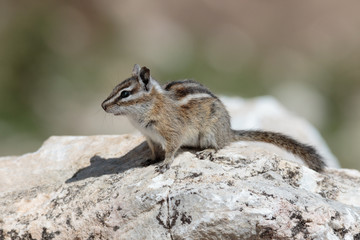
[(124, 94)]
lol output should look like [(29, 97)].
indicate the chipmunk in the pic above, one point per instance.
[(185, 113)]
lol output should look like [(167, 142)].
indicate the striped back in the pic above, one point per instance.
[(184, 91)]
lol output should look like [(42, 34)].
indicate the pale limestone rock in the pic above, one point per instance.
[(96, 188)]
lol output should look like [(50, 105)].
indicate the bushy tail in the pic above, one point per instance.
[(308, 153)]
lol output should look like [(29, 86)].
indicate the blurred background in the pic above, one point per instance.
[(60, 59)]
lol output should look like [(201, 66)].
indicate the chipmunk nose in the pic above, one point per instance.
[(103, 105)]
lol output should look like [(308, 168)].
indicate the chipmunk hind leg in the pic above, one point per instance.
[(211, 141), (215, 131)]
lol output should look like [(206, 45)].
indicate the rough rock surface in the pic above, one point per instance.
[(96, 188)]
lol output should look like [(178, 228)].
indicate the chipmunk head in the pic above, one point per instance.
[(131, 95)]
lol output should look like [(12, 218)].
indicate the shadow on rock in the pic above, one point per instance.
[(101, 166)]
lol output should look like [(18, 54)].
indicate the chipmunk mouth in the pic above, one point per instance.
[(113, 110), (118, 113)]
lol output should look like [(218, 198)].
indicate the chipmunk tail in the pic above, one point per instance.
[(306, 152)]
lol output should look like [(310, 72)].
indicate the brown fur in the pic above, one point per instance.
[(136, 101), (185, 113), (126, 83)]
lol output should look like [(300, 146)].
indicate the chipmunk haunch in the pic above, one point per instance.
[(185, 113)]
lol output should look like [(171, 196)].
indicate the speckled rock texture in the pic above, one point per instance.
[(96, 187)]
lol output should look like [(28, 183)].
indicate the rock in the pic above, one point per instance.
[(96, 188)]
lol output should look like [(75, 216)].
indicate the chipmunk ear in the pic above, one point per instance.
[(145, 75), (136, 70)]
